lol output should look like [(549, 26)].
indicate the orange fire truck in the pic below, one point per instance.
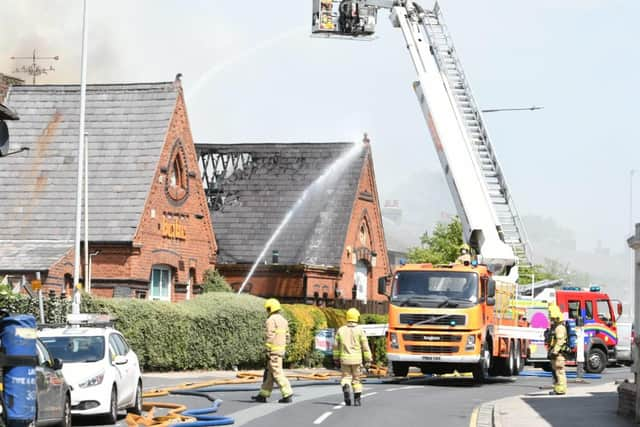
[(454, 318)]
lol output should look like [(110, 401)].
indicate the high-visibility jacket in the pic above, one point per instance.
[(350, 345), (558, 339), (277, 334)]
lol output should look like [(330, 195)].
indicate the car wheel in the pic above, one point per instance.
[(112, 415), (137, 404), (66, 413)]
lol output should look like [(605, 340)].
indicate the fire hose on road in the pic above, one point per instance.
[(203, 417)]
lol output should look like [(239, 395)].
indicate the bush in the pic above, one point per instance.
[(213, 281), (214, 331), (217, 330), (304, 322)]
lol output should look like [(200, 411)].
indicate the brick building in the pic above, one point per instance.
[(333, 247), (150, 230)]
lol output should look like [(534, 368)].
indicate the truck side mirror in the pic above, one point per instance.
[(491, 301), (491, 289), (619, 309), (382, 285)]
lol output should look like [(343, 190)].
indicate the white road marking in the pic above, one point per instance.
[(370, 394), (322, 417), (340, 406)]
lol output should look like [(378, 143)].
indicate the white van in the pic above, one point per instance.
[(623, 348)]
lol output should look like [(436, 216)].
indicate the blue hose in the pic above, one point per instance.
[(570, 374), (204, 419)]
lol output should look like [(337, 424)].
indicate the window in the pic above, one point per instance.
[(161, 283), (43, 354), (604, 312), (588, 312), (574, 309), (120, 346), (75, 349)]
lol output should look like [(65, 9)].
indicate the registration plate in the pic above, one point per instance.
[(430, 357)]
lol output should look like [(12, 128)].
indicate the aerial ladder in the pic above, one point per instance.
[(491, 224), (433, 324)]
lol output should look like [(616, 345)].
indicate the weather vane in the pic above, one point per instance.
[(34, 69)]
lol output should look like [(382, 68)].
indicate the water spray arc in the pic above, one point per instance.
[(338, 165)]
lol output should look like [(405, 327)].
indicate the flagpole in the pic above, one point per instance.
[(75, 306)]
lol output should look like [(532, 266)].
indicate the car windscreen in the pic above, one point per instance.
[(75, 349), (435, 288)]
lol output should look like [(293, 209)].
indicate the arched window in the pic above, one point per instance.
[(68, 285), (177, 183)]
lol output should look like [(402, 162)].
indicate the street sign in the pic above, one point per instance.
[(36, 284)]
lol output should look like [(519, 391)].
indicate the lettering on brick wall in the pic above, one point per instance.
[(173, 229)]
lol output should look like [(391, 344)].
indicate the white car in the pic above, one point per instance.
[(101, 368)]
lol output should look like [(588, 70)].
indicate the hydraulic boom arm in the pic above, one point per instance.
[(489, 219)]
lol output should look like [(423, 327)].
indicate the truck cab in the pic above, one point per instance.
[(595, 311), (447, 318)]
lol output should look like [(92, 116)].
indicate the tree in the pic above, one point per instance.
[(442, 247), (215, 282)]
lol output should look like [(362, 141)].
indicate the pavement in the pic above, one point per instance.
[(581, 406)]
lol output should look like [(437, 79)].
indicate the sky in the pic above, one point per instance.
[(252, 73)]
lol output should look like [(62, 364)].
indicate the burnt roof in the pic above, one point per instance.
[(265, 182)]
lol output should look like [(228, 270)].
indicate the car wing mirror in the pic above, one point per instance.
[(120, 360), (57, 364)]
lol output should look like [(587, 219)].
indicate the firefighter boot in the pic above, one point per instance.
[(259, 398), (356, 399), (346, 390)]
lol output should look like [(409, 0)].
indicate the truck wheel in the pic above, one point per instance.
[(596, 361), (400, 369), (511, 362), (481, 369), (519, 361)]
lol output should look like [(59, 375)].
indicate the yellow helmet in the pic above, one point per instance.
[(272, 305), (554, 312), (353, 315)]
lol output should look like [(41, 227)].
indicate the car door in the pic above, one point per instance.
[(50, 387), (132, 366), (44, 400), (121, 369)]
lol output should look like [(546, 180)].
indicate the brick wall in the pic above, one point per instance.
[(191, 249), (627, 400), (366, 210), (196, 249)]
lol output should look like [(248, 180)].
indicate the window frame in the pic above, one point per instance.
[(158, 295), (610, 314)]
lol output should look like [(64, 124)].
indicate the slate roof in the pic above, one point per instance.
[(127, 126), (29, 255), (258, 196)]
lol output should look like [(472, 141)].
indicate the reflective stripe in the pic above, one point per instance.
[(265, 393), (274, 347)]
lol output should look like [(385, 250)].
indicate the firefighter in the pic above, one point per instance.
[(349, 349), (277, 329), (464, 256), (557, 350)]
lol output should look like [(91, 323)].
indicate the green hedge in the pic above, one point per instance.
[(217, 330)]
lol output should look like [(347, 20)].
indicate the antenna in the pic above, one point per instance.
[(34, 69)]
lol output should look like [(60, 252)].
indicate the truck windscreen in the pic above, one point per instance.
[(435, 288)]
